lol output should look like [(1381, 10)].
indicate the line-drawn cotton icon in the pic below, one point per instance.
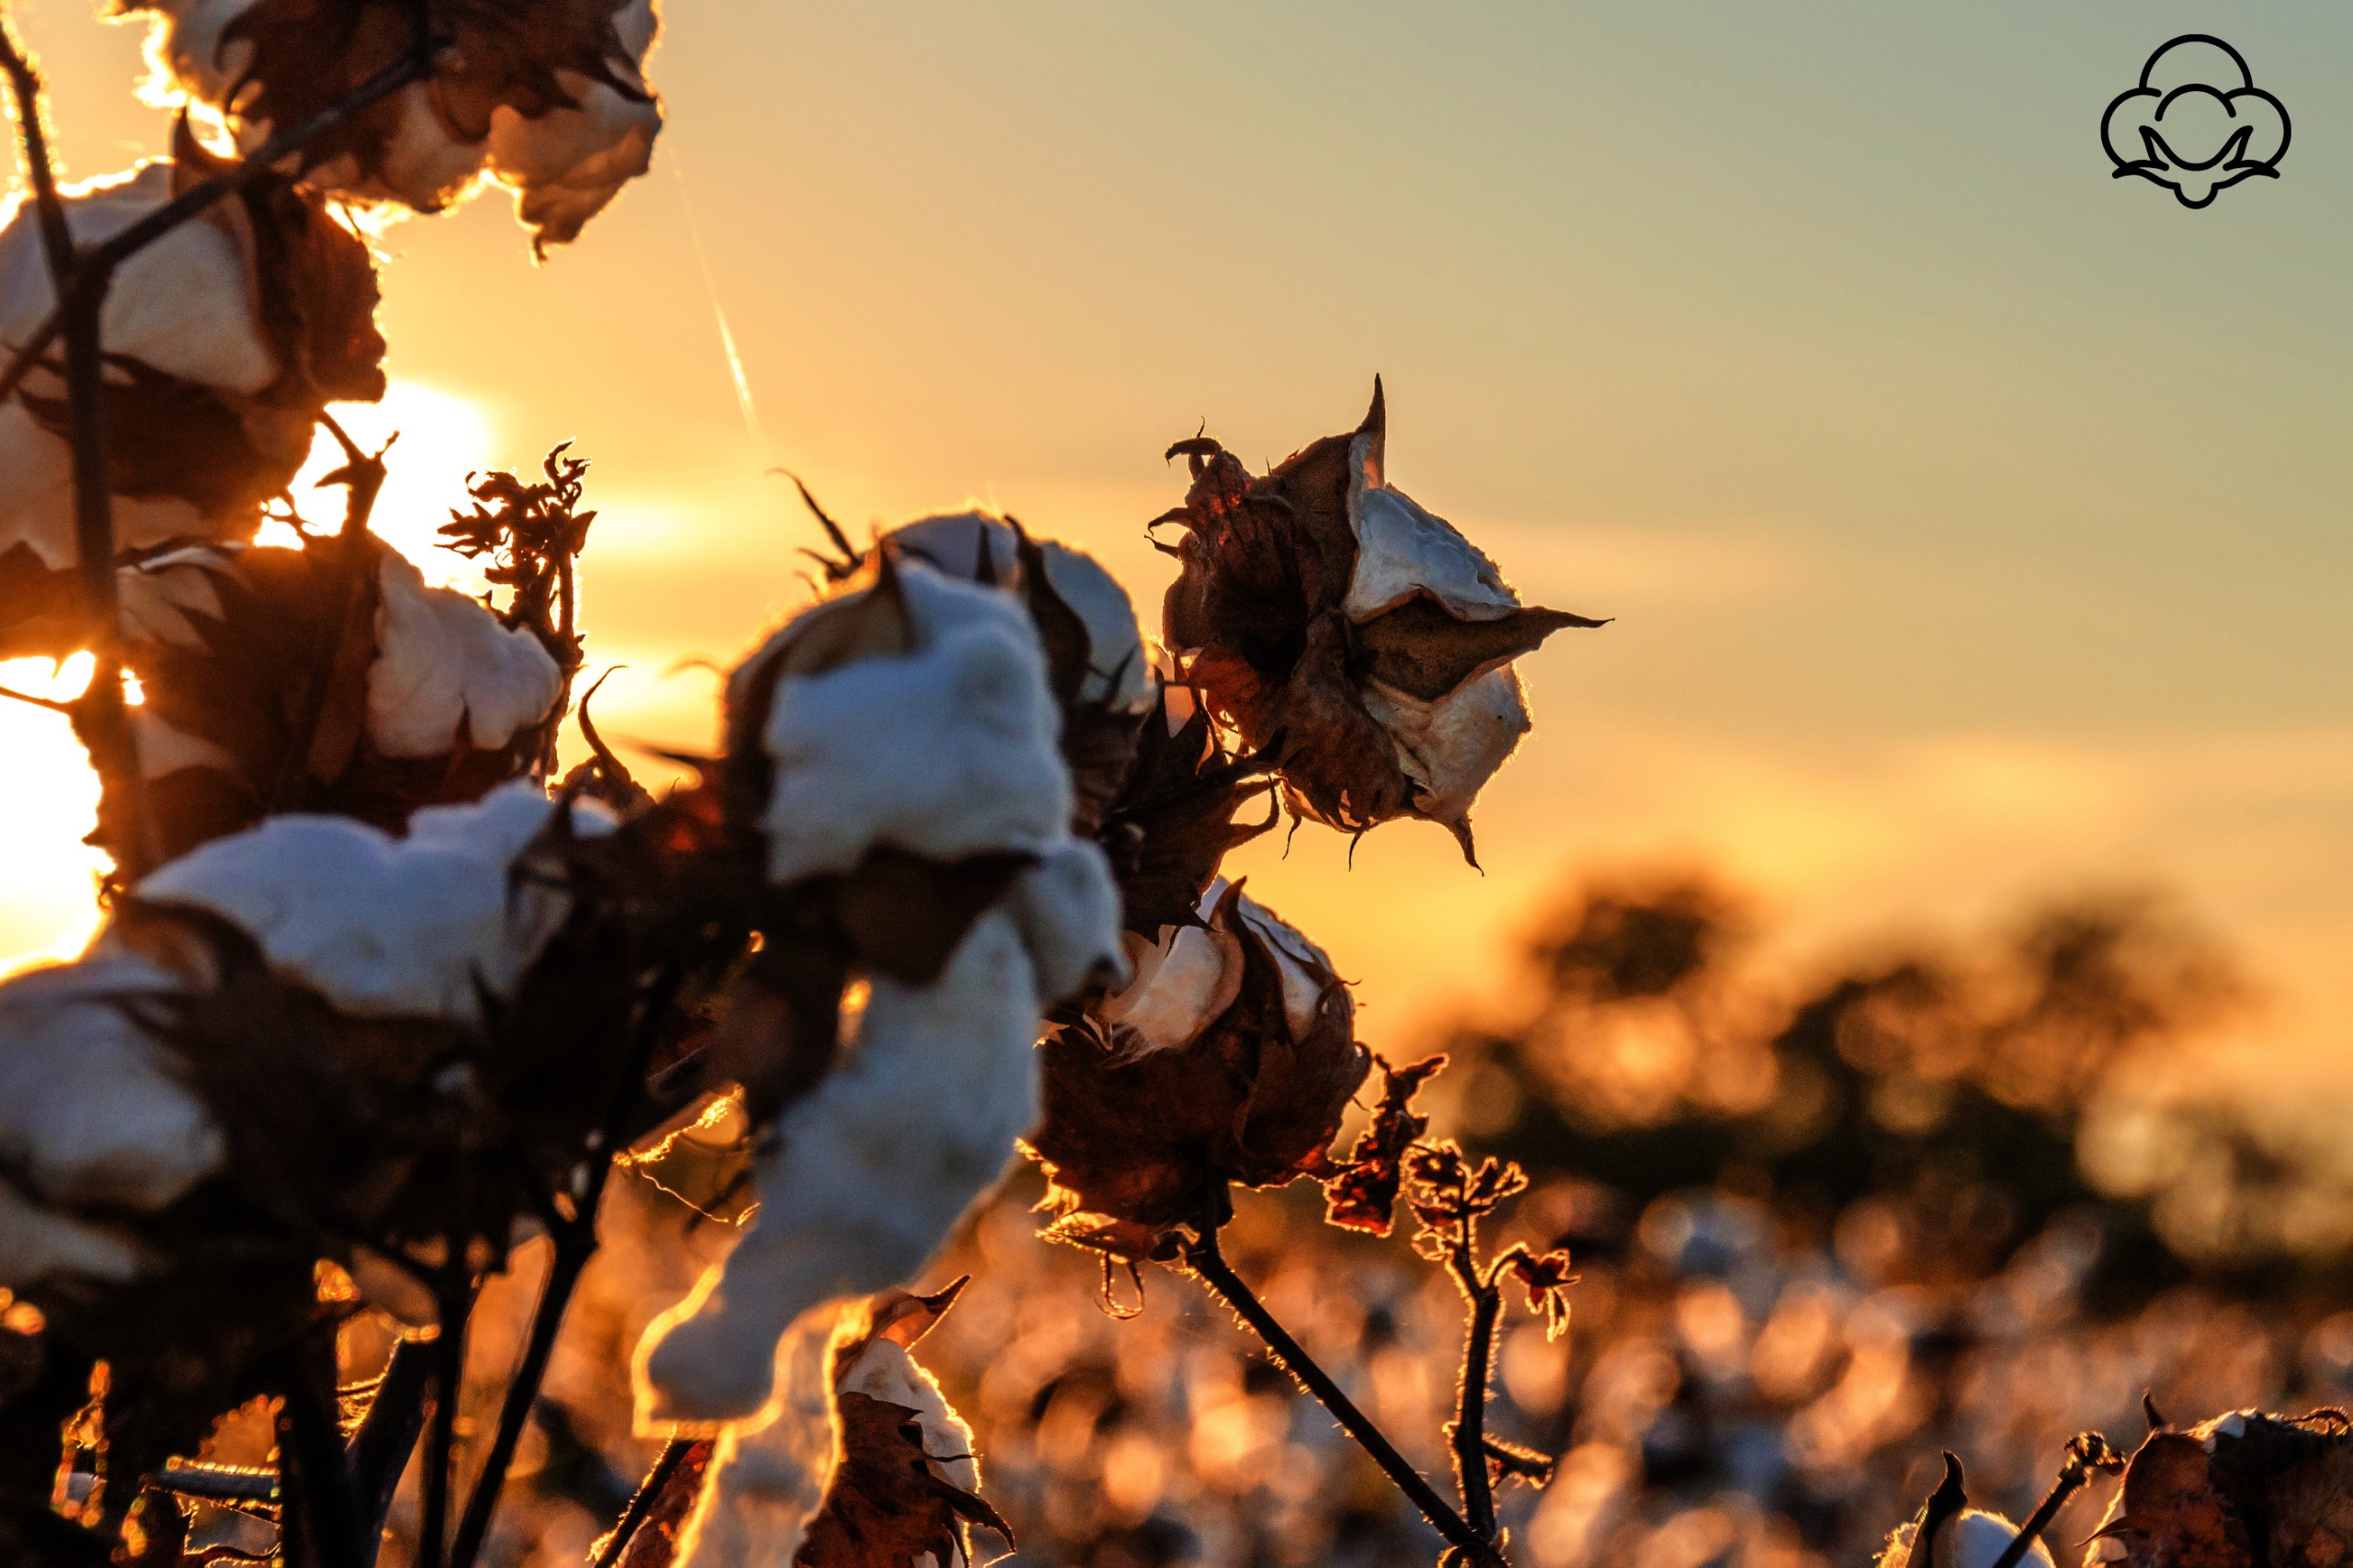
[(2197, 124)]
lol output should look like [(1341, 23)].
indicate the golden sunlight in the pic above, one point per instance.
[(48, 796), (442, 438)]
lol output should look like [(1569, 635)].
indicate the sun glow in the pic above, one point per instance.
[(48, 796), (442, 438)]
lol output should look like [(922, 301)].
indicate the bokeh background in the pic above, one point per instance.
[(1978, 703)]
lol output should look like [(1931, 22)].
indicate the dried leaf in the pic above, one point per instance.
[(1362, 1195), (885, 1506)]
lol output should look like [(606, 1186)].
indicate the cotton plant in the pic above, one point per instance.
[(895, 770), (548, 99)]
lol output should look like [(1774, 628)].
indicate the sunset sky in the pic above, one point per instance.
[(1976, 524)]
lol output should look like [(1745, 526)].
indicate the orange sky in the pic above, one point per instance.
[(1975, 523)]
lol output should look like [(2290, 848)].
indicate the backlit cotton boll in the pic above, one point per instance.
[(448, 673), (547, 97), (1318, 605), (1096, 659), (96, 1119), (865, 1176), (2234, 1490), (858, 1461), (1230, 1057), (421, 927), (224, 338), (1972, 1539)]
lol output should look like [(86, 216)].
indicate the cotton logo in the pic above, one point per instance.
[(2197, 124)]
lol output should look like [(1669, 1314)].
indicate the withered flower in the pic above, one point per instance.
[(2238, 1490), (1319, 606), (893, 770), (224, 340), (1230, 1057), (863, 1463), (548, 97)]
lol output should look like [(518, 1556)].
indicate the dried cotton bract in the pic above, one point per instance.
[(225, 341), (548, 97), (1320, 606), (2235, 1491)]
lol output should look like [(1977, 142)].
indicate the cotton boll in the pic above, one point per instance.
[(1972, 1539), (1067, 907), (382, 926), (448, 673), (769, 1474), (182, 305), (1450, 747), (568, 164), (92, 1110), (1306, 970), (1182, 985), (945, 752), (1119, 673), (866, 1177), (1403, 550)]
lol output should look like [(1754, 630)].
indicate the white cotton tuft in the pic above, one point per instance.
[(1973, 1539), (1120, 670), (568, 163), (384, 926), (866, 1176), (93, 1110), (184, 306), (448, 671), (1403, 550), (1451, 747), (1306, 970), (947, 750), (1183, 984), (1067, 907), (768, 1474), (38, 1244)]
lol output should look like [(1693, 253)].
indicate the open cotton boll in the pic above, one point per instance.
[(1306, 970), (1183, 984), (947, 750), (448, 672), (866, 1177), (566, 165), (93, 1110), (1067, 906), (767, 1474), (1403, 550), (1120, 671), (1451, 747), (384, 926)]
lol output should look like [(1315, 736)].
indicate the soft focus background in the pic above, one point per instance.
[(1978, 706)]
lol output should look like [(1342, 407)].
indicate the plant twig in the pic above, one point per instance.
[(640, 1503), (576, 1243), (2086, 1453), (1471, 1477), (387, 1435), (453, 1301), (1209, 1263), (319, 1506)]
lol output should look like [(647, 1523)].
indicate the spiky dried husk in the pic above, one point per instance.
[(1172, 821), (2235, 1491), (1134, 1148), (1362, 1194)]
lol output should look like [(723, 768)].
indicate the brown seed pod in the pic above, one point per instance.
[(1317, 604), (1231, 1057), (2239, 1489)]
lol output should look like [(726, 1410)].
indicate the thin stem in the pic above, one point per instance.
[(649, 1492), (1470, 1434), (315, 1482), (576, 1243), (454, 1305), (1209, 1263), (2072, 1475), (388, 1434)]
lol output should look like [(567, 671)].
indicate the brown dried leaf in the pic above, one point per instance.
[(1362, 1195), (1173, 823)]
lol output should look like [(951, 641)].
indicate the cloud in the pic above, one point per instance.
[(2197, 124)]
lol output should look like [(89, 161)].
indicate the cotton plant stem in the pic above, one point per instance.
[(1470, 1436), (315, 1482), (649, 1492), (2072, 1476), (380, 1450), (575, 1245), (1209, 1263), (455, 1302)]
